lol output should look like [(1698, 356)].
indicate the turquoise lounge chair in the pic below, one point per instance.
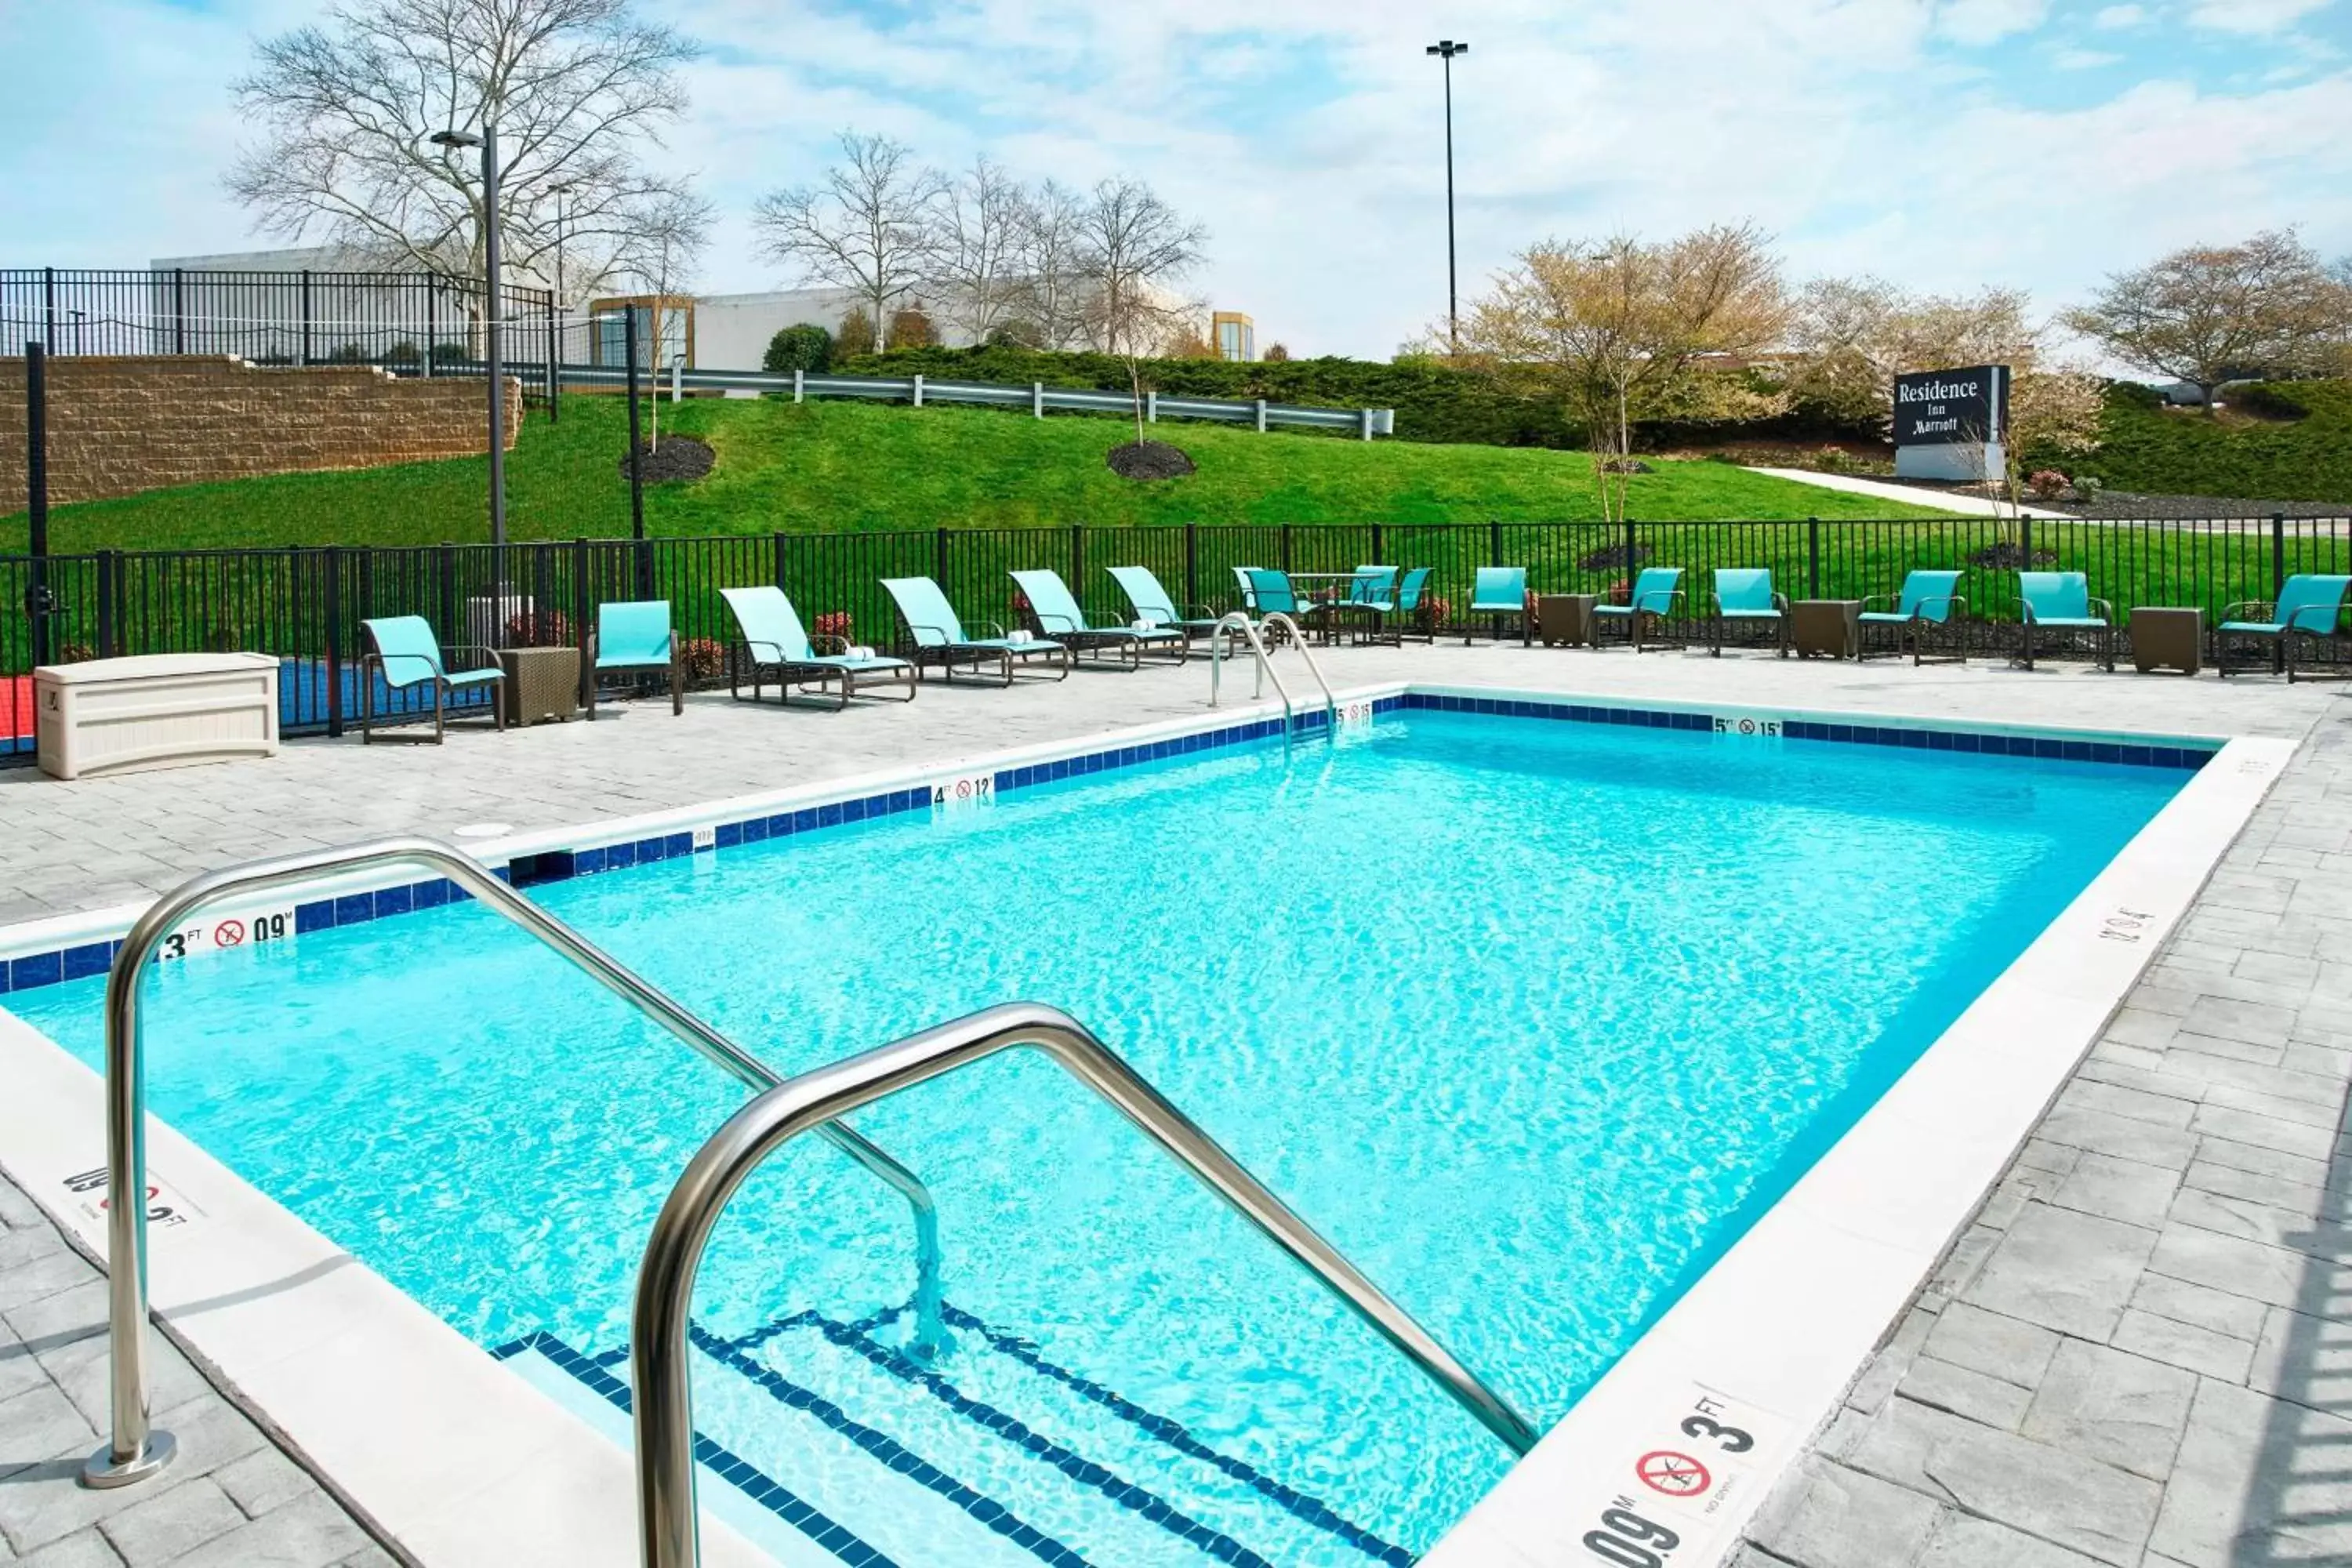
[(2307, 606), (1657, 593), (402, 652), (2060, 601), (1059, 616), (1370, 599), (1154, 607), (1744, 596), (1497, 592), (633, 639), (1408, 620), (774, 641), (1924, 606), (935, 636), (1265, 592)]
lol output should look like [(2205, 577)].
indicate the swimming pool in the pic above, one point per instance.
[(1531, 1020)]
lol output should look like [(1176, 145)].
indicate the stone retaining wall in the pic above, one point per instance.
[(119, 424)]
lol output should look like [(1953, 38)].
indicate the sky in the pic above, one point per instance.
[(1941, 144)]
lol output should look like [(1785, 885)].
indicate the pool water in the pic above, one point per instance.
[(1531, 1020)]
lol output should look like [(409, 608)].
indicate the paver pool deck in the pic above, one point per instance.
[(2139, 1354)]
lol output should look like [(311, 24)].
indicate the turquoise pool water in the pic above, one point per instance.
[(1532, 1019)]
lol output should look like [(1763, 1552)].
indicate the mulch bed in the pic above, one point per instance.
[(677, 458), (1149, 460)]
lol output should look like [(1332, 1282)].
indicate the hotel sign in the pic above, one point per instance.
[(1947, 407)]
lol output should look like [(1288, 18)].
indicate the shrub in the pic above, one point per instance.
[(834, 624), (539, 628), (404, 353), (1277, 353), (451, 353), (703, 658), (2046, 484), (855, 337), (910, 328), (805, 347)]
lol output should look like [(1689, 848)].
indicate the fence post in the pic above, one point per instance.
[(1494, 544), (776, 557), (636, 443), (554, 358), (1151, 407), (1191, 567), (306, 315), (37, 495), (1627, 559), (940, 559), (333, 558), (2278, 584), (445, 575), (1379, 553), (1286, 547), (48, 305), (799, 375), (581, 592), (108, 562), (179, 310), (1037, 399), (432, 325), (1364, 416), (1261, 415), (1078, 560), (918, 390), (1813, 558)]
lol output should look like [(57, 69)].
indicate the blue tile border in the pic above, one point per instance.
[(801, 1515), (557, 865)]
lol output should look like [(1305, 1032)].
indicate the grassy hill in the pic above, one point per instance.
[(822, 467), (2279, 441)]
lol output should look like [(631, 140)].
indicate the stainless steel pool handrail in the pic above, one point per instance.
[(1239, 621), (134, 1451), (668, 1524)]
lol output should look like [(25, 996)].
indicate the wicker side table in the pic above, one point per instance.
[(1828, 626), (2168, 639), (1565, 618), (542, 683)]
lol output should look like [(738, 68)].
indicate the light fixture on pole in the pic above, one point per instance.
[(492, 362), (1445, 49)]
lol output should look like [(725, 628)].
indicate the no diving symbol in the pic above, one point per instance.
[(963, 789), (1676, 1475), (228, 933), (1747, 727)]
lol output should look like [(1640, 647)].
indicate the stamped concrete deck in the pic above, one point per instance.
[(231, 1499), (2137, 1355)]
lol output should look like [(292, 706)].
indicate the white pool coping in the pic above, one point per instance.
[(458, 1461)]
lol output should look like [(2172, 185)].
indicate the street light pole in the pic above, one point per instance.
[(1445, 49), (493, 361)]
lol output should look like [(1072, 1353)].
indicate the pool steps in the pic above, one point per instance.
[(1107, 1481)]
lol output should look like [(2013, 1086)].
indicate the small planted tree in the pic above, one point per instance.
[(1134, 247), (855, 336)]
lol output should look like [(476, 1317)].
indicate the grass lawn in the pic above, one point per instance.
[(824, 466)]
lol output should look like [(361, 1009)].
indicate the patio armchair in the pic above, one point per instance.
[(2062, 601), (1060, 616), (936, 637), (1265, 592), (1657, 593), (1744, 596), (1370, 600), (776, 643), (2307, 607), (1408, 621), (634, 637), (1154, 607), (1924, 608), (1497, 592), (402, 652)]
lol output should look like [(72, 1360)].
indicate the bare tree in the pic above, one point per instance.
[(1052, 287), (670, 233), (869, 227), (1849, 338), (2213, 313), (577, 89), (1132, 249), (982, 216), (1619, 331)]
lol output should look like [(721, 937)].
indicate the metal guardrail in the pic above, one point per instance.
[(135, 1450), (667, 1522), (1038, 397)]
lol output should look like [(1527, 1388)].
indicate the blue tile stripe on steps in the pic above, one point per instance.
[(1173, 1433), (761, 1489)]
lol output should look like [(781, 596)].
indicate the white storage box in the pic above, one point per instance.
[(163, 710)]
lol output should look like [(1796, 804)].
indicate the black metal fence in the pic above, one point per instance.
[(411, 323), (305, 605)]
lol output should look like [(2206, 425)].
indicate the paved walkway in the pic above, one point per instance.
[(2140, 1353), (97, 842), (1909, 495), (230, 1500)]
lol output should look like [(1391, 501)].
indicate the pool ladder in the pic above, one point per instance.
[(135, 1450), (1236, 620), (667, 1520)]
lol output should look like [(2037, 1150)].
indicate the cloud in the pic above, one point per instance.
[(2115, 18), (1869, 136), (2081, 60), (2258, 18)]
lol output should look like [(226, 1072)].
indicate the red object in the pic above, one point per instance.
[(16, 707), (1676, 1475)]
